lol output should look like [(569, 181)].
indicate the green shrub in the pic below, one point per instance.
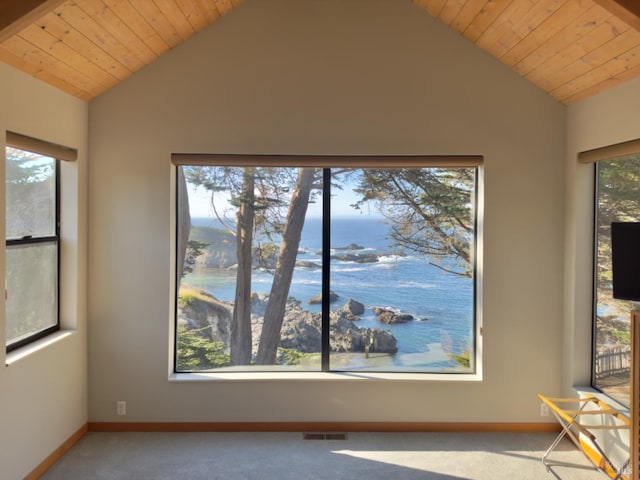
[(291, 356), (623, 336), (195, 352), (463, 359)]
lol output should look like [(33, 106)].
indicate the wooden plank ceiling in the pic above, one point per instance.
[(84, 47), (571, 49)]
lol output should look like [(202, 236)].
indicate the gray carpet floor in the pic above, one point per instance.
[(284, 456)]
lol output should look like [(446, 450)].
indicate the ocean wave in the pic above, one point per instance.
[(338, 250), (306, 282), (259, 279), (420, 285), (347, 284), (395, 258), (385, 266), (347, 268)]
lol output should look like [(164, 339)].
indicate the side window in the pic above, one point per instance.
[(617, 200), (32, 246)]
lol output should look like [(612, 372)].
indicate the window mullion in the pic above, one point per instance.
[(31, 240), (326, 255)]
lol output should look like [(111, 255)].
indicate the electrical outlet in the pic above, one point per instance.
[(121, 407), (544, 410)]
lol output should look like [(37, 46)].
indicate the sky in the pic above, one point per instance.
[(200, 203)]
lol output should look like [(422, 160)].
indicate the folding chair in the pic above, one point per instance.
[(582, 435)]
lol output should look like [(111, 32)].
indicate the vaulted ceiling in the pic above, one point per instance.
[(571, 49)]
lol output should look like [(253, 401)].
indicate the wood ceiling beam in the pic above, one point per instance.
[(15, 15), (626, 10)]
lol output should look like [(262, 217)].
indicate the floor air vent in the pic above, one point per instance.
[(324, 436)]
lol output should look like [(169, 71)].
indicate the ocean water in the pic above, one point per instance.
[(442, 303)]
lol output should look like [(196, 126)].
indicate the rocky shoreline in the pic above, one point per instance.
[(210, 318)]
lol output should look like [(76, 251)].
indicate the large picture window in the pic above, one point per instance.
[(318, 269), (617, 200), (32, 240)]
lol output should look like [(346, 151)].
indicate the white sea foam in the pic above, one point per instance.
[(347, 269), (395, 259), (423, 286), (307, 282)]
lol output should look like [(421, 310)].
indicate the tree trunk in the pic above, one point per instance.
[(274, 314), (184, 222), (240, 342)]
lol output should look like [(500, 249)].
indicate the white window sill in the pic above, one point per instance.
[(321, 376), (583, 391), (33, 347)]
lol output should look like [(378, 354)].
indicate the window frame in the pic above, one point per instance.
[(49, 239), (618, 152), (594, 278), (325, 163)]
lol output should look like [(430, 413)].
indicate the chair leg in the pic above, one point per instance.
[(566, 430), (624, 469), (555, 443)]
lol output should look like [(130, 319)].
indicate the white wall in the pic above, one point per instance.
[(330, 77), (605, 119), (43, 394)]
